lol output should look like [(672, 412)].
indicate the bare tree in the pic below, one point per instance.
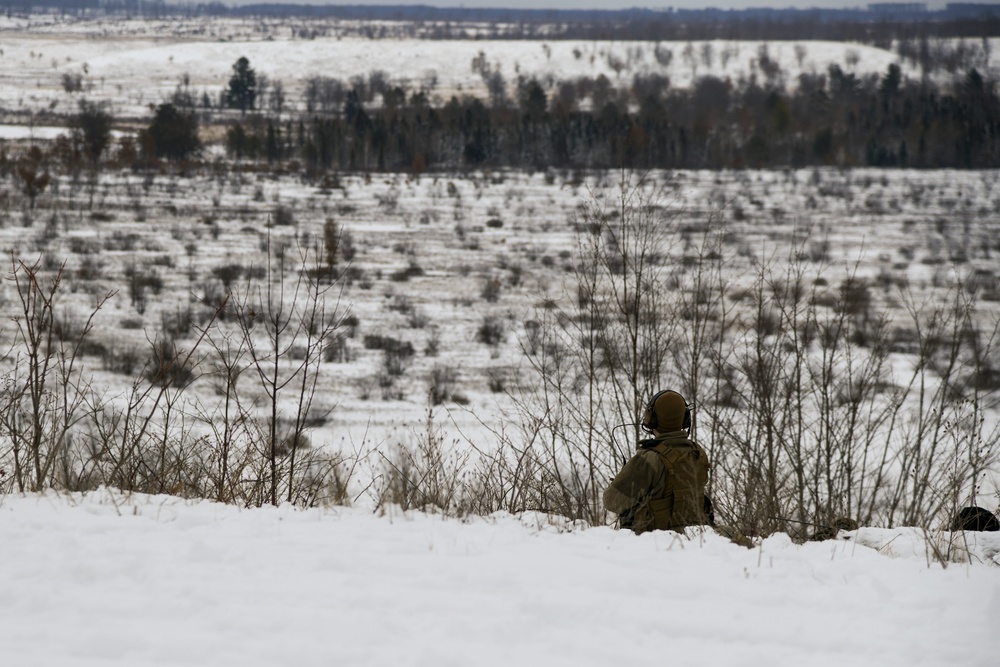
[(285, 325), (43, 401)]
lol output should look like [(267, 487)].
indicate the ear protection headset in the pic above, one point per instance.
[(650, 422)]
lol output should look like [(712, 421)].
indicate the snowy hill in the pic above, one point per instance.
[(132, 64), (105, 579)]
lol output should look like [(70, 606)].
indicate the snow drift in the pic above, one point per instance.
[(105, 579)]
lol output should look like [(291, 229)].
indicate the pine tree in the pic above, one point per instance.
[(241, 93)]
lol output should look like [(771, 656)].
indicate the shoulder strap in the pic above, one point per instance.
[(669, 453)]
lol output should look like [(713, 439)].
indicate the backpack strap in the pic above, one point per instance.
[(669, 452), (682, 504)]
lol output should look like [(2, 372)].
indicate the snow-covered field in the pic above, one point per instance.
[(105, 579), (113, 579), (137, 63), (892, 228), (438, 256)]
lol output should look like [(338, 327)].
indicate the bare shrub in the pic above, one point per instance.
[(498, 379), (331, 244), (34, 176), (122, 359), (166, 365), (45, 394), (229, 274), (139, 281), (425, 474), (121, 241), (269, 329), (491, 288), (90, 268), (282, 216), (443, 386), (389, 344), (337, 350), (592, 362), (72, 82), (492, 331), (412, 270), (177, 323)]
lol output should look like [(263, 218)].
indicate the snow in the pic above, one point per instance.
[(132, 64), (22, 132), (107, 579), (39, 132)]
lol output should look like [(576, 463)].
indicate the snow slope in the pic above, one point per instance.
[(105, 580), (132, 64)]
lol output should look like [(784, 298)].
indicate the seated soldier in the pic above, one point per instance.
[(662, 487)]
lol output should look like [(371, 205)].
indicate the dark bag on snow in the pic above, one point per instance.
[(975, 518)]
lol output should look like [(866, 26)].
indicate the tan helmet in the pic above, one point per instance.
[(666, 411)]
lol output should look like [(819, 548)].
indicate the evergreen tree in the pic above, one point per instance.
[(241, 93), (92, 128), (172, 134)]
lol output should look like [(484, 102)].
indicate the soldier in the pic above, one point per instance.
[(662, 487)]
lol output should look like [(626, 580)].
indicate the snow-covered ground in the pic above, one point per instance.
[(24, 132), (136, 63), (105, 579), (890, 227), (872, 220)]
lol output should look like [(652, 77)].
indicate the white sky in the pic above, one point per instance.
[(594, 4)]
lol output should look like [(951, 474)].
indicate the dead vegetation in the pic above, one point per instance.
[(200, 351)]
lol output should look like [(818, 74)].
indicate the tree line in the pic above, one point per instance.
[(875, 24), (831, 119)]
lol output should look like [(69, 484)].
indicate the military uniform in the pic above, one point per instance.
[(662, 487)]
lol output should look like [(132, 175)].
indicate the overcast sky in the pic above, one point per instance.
[(594, 4)]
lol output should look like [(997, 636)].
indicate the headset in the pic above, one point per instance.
[(649, 420)]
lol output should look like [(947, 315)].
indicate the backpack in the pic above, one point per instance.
[(682, 502), (975, 518)]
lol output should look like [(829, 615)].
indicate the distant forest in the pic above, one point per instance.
[(947, 117), (879, 24), (832, 119)]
